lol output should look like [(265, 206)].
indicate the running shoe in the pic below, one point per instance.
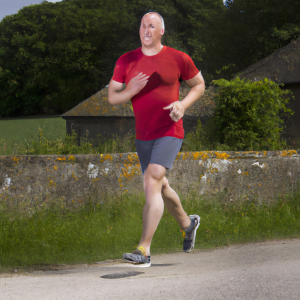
[(138, 257), (190, 233)]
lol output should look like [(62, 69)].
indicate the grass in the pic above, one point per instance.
[(22, 130), (105, 230)]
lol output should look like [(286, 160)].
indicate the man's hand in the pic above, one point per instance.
[(117, 95), (177, 110), (136, 84)]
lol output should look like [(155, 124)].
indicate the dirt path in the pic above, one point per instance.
[(269, 270)]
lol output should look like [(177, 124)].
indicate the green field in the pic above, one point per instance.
[(16, 131)]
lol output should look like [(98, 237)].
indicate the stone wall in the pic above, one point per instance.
[(28, 181)]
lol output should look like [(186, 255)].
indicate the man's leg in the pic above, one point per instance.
[(173, 204), (190, 224), (154, 206)]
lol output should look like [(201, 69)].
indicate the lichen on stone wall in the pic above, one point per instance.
[(237, 175)]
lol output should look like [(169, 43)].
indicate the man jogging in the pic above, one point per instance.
[(152, 75)]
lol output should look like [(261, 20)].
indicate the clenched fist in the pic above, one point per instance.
[(177, 110)]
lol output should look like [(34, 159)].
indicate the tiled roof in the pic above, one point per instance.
[(98, 105), (282, 66)]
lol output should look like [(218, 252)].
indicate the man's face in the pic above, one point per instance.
[(151, 30)]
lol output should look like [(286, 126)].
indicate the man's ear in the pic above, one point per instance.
[(162, 31)]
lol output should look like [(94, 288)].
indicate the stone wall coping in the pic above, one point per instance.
[(181, 155)]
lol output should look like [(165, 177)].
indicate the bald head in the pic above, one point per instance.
[(151, 31), (161, 18)]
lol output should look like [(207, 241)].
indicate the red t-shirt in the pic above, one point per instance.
[(165, 70)]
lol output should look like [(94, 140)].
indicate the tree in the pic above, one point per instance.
[(252, 29), (54, 56)]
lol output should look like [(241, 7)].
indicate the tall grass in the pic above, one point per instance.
[(105, 229)]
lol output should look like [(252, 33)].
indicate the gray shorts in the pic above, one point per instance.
[(162, 151)]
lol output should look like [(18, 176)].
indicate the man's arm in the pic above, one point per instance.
[(118, 96), (197, 86), (178, 108)]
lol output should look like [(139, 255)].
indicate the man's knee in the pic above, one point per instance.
[(155, 171), (154, 174)]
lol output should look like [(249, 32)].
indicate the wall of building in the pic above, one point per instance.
[(292, 132), (99, 129), (29, 181)]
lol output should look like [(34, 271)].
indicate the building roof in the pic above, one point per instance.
[(98, 105), (282, 66)]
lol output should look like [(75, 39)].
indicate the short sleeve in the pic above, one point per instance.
[(188, 69), (120, 70)]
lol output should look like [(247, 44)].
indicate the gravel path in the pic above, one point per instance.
[(269, 270)]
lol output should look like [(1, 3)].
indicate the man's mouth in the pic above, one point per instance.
[(146, 37)]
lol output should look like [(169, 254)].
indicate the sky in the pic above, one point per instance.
[(9, 7)]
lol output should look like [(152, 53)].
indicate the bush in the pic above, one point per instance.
[(248, 116)]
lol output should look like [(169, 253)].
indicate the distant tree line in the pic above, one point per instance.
[(54, 55)]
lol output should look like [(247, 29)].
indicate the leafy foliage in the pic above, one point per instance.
[(248, 116), (53, 56), (253, 29)]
